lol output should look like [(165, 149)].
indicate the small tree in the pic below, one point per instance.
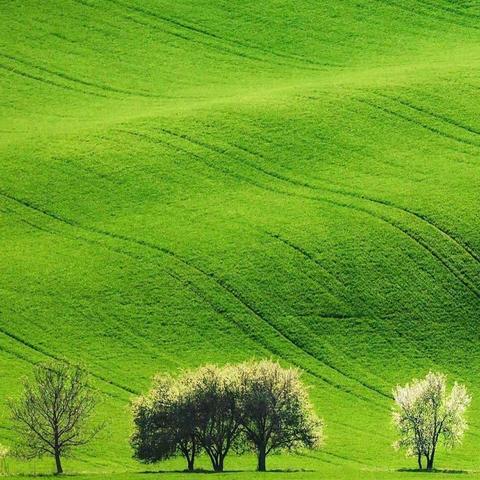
[(164, 422), (216, 397), (276, 413), (424, 414), (52, 413), (4, 453)]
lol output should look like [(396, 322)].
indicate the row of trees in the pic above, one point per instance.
[(257, 406)]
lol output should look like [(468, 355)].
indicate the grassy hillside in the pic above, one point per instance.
[(210, 181)]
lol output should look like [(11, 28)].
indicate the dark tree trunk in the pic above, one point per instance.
[(262, 459), (189, 454), (218, 467), (191, 458), (58, 463), (420, 467), (430, 462)]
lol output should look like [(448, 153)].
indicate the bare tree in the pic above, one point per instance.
[(425, 414), (52, 413), (276, 412)]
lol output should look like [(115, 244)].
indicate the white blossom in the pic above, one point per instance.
[(425, 413)]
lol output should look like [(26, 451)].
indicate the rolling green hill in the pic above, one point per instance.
[(210, 181)]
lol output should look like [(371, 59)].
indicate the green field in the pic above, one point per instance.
[(210, 181)]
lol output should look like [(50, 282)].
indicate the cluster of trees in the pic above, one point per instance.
[(255, 405)]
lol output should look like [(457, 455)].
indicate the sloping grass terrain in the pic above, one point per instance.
[(210, 181)]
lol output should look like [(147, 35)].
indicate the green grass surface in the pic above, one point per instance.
[(210, 181)]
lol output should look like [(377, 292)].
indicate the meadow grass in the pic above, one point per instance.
[(193, 182)]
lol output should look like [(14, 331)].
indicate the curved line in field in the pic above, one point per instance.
[(18, 72), (226, 41), (87, 83), (423, 218), (443, 118), (394, 223), (130, 332), (420, 124), (311, 258), (219, 282), (447, 9), (462, 245), (25, 359), (427, 13), (41, 351)]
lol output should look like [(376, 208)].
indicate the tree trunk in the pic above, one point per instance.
[(430, 462), (218, 467), (58, 463), (191, 459), (420, 461), (262, 457)]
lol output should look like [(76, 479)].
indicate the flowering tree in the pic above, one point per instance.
[(217, 411), (4, 453), (164, 422), (276, 411), (425, 413)]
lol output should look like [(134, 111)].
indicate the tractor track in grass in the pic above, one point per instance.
[(258, 338), (135, 338), (333, 188), (42, 352), (450, 10), (246, 179), (250, 333), (457, 272), (26, 359), (310, 257), (427, 13), (415, 237), (16, 71), (226, 44), (219, 282), (414, 121), (77, 81), (214, 47), (338, 188), (444, 118)]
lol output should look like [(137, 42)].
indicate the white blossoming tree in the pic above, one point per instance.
[(4, 453), (426, 413)]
